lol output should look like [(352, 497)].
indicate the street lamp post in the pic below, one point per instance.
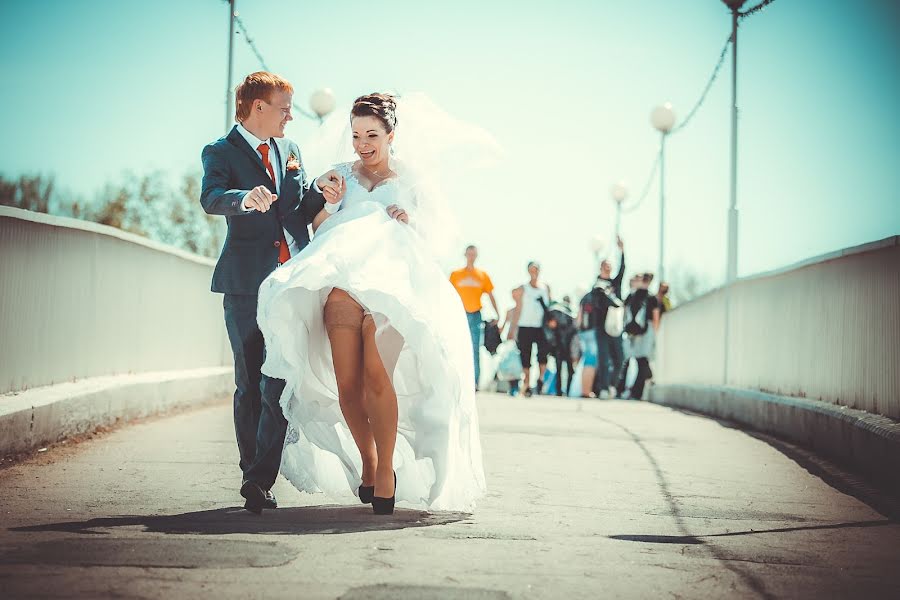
[(731, 266), (229, 109), (663, 119), (619, 193)]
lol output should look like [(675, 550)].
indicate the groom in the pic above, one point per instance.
[(254, 178)]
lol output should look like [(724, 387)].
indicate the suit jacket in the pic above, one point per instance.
[(230, 169)]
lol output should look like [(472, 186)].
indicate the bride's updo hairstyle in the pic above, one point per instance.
[(381, 106)]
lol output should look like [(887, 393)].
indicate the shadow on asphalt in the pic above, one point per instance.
[(698, 539), (750, 579), (283, 521)]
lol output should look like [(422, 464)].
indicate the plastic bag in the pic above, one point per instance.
[(509, 367)]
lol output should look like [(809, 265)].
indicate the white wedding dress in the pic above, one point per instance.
[(421, 327)]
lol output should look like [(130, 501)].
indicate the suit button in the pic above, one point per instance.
[(276, 243)]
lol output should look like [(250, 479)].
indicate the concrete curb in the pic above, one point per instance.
[(45, 415), (868, 443)]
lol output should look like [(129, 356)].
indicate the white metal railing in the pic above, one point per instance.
[(827, 328), (78, 299)]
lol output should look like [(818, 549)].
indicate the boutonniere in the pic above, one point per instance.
[(293, 163)]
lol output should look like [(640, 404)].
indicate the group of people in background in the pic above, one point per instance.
[(606, 332)]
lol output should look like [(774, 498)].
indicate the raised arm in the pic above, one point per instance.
[(617, 280)]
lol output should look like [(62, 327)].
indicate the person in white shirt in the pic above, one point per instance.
[(532, 300)]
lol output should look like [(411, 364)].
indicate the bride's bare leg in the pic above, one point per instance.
[(343, 321), (381, 406)]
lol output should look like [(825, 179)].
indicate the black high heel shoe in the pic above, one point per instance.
[(384, 506), (366, 493)]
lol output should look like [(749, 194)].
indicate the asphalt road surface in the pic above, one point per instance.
[(587, 499)]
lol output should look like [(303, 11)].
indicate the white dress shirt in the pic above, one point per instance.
[(278, 167)]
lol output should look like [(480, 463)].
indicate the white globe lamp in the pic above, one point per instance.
[(619, 192), (663, 118), (322, 102)]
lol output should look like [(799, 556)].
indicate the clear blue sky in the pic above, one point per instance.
[(94, 88)]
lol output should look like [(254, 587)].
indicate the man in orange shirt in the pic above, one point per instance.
[(472, 284)]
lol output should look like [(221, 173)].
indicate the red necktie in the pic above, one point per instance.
[(284, 254)]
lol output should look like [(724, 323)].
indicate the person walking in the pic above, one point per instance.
[(642, 318), (532, 300), (377, 365), (621, 384), (560, 332), (254, 178), (471, 284), (610, 356)]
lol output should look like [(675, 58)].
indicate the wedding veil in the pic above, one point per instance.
[(432, 153)]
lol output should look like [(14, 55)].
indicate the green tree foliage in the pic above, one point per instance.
[(148, 205)]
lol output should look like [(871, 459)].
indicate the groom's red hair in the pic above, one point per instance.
[(257, 86)]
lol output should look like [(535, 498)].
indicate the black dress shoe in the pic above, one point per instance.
[(385, 506), (255, 497), (366, 493), (270, 502)]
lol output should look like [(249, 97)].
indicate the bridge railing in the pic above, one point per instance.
[(80, 300), (825, 329)]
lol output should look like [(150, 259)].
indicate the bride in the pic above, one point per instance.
[(372, 341)]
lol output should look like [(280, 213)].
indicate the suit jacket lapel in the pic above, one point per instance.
[(280, 158), (287, 196), (238, 140)]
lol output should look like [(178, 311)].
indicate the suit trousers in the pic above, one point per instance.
[(259, 424)]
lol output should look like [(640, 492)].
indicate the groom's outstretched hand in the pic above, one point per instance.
[(259, 198)]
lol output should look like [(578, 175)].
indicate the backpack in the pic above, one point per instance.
[(636, 323), (615, 321), (561, 336), (614, 324), (491, 337)]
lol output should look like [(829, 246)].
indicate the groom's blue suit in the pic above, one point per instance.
[(231, 168)]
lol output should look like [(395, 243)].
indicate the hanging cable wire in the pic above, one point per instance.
[(715, 74), (650, 179), (262, 61), (755, 9), (250, 42), (706, 89)]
